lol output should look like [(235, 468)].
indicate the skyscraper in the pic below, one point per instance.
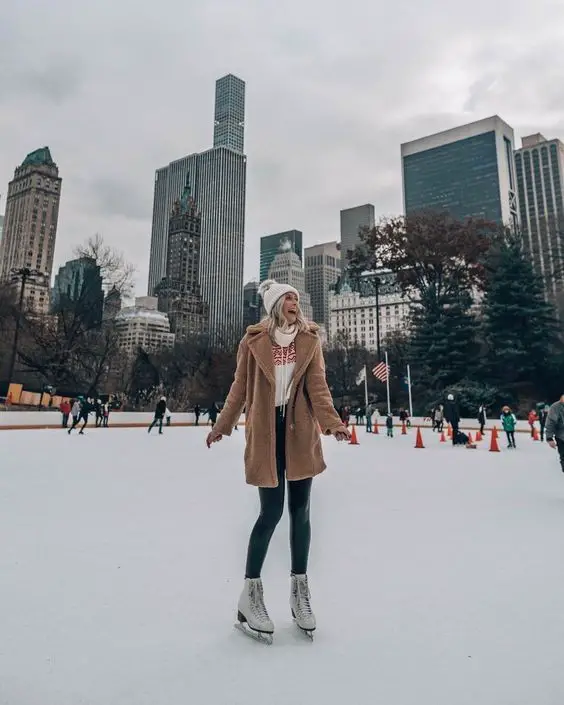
[(1, 227), (229, 127), (218, 179), (286, 268), (79, 283), (322, 270), (353, 220), (179, 292), (540, 180), (468, 171), (270, 246), (30, 227), (251, 304)]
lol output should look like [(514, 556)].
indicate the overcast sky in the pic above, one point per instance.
[(119, 88)]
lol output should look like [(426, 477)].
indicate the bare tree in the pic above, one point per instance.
[(116, 271)]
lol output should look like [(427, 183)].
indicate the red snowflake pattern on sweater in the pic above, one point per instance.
[(284, 356)]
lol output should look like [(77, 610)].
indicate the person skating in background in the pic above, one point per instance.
[(197, 412), (403, 416), (509, 423), (368, 412), (555, 428), (160, 411), (106, 414), (452, 415), (532, 418), (85, 409), (65, 409), (280, 380), (75, 412), (99, 411), (213, 411), (543, 415), (168, 416), (482, 418), (440, 417), (389, 426)]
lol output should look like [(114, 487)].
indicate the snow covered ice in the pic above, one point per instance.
[(437, 575)]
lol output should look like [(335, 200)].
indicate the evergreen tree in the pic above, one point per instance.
[(519, 326), (444, 346)]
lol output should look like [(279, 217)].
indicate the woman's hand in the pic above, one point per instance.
[(213, 437), (342, 434)]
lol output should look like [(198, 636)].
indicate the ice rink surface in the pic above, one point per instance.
[(437, 575)]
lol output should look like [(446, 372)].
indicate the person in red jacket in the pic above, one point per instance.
[(532, 419), (65, 409)]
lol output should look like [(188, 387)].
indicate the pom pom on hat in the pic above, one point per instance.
[(271, 291)]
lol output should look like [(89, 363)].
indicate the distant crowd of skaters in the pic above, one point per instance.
[(79, 410), (450, 413)]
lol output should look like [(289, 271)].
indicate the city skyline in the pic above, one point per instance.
[(324, 129), (317, 117)]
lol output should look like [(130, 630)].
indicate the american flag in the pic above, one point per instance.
[(381, 371)]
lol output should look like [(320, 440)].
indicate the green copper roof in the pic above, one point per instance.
[(40, 156)]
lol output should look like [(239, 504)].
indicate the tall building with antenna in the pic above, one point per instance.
[(218, 179)]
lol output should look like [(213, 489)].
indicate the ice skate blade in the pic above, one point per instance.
[(306, 632), (262, 637)]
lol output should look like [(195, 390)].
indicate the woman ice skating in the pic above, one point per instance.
[(509, 423), (280, 380)]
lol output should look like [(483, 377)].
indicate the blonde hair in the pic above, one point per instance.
[(278, 320)]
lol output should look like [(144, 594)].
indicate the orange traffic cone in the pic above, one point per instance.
[(403, 429), (449, 431), (375, 428), (494, 445), (443, 439), (354, 439), (495, 432), (419, 439), (479, 436), (470, 439)]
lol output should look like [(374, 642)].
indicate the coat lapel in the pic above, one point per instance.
[(305, 348), (261, 347)]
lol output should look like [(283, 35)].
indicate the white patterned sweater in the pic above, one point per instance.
[(284, 352)]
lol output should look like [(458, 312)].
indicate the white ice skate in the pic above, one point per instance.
[(300, 605), (253, 619)]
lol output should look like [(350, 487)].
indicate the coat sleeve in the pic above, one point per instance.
[(320, 396), (237, 394), (551, 423)]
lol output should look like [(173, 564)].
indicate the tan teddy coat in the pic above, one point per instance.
[(310, 403)]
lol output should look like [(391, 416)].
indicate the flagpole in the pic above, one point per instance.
[(409, 389), (365, 389), (388, 383)]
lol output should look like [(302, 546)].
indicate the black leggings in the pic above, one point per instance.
[(271, 508), (510, 438)]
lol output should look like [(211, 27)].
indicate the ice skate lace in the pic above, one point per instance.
[(257, 602), (303, 596)]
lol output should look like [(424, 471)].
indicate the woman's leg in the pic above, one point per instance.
[(299, 492), (508, 434), (271, 508)]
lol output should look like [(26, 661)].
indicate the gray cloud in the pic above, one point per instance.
[(114, 197), (332, 91)]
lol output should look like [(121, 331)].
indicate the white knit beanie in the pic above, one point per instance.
[(271, 291)]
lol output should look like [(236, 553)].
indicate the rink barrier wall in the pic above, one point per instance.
[(30, 420)]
